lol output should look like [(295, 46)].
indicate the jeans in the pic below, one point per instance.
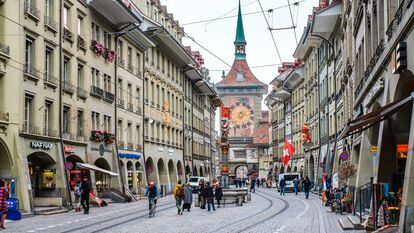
[(85, 203), (282, 190), (178, 202), (210, 202), (151, 201), (307, 194), (296, 189)]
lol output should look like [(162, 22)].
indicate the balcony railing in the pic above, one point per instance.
[(51, 80), (120, 62), (81, 43), (109, 97), (30, 129), (131, 68), (138, 147), (48, 132), (139, 110), (51, 23), (130, 106), (130, 146), (4, 50), (120, 103), (68, 35), (97, 92), (81, 93), (31, 11), (68, 87), (31, 72), (68, 136)]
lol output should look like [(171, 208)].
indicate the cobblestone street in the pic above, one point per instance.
[(267, 212)]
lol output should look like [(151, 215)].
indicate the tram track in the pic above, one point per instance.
[(105, 221), (254, 215)]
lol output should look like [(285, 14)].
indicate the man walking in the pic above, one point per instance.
[(296, 185), (306, 187), (252, 186), (282, 186), (179, 195), (85, 190), (209, 195)]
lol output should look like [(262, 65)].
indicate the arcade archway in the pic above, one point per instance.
[(5, 161), (151, 171), (102, 180), (172, 173), (42, 170)]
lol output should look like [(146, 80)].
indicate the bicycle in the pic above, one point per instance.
[(153, 206)]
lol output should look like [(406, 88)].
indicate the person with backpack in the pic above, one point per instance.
[(179, 195), (77, 192)]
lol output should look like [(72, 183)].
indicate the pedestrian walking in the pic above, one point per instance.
[(218, 194), (209, 196), (244, 182), (188, 197), (85, 189), (306, 187), (77, 193), (253, 186), (282, 186), (4, 195), (179, 195), (296, 185), (201, 195), (258, 182)]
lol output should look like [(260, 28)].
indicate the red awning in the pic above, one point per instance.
[(366, 121)]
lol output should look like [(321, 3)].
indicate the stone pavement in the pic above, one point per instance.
[(267, 212)]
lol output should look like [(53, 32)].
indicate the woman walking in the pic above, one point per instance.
[(4, 194), (188, 197), (218, 194)]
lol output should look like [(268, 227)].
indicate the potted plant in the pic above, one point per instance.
[(97, 136), (348, 201), (109, 138)]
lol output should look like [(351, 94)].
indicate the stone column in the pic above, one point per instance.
[(407, 205)]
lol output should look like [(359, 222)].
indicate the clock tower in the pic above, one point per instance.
[(243, 93)]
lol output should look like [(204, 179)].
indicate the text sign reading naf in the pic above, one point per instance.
[(41, 145)]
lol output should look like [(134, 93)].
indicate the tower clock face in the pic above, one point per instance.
[(242, 114)]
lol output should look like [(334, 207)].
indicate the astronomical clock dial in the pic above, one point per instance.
[(242, 114)]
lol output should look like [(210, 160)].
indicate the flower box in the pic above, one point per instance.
[(97, 135), (97, 47)]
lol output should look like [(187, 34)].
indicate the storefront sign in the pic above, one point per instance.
[(129, 156), (402, 150), (41, 145), (374, 92), (69, 149), (374, 148)]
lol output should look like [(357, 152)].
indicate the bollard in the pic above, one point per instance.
[(248, 197), (240, 201), (197, 203)]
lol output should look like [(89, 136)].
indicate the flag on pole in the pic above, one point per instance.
[(288, 151)]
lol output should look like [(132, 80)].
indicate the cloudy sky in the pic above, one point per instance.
[(218, 36)]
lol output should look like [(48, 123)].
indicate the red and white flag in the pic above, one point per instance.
[(288, 151)]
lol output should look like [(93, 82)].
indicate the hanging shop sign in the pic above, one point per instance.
[(41, 145), (69, 165), (374, 148), (344, 156), (374, 92), (399, 58), (69, 149), (225, 112), (402, 150)]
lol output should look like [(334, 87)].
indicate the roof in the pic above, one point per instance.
[(249, 78), (240, 39)]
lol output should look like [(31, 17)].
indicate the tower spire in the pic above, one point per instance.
[(240, 41)]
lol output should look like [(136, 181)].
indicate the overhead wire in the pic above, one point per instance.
[(271, 34), (293, 23)]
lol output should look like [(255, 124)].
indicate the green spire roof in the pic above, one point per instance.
[(240, 30)]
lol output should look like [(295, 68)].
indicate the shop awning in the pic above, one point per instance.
[(95, 168), (366, 121), (116, 11), (325, 20)]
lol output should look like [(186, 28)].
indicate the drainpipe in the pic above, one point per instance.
[(116, 114), (70, 206), (183, 172), (143, 116), (319, 126), (192, 134)]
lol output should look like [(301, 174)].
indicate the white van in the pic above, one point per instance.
[(194, 181), (289, 177)]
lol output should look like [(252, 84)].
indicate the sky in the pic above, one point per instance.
[(218, 35)]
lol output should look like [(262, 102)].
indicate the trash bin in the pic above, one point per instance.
[(13, 209)]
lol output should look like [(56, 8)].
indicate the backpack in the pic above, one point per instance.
[(76, 190), (180, 192)]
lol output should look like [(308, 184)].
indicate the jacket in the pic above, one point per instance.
[(219, 193), (208, 193)]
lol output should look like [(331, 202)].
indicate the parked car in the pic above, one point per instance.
[(194, 182), (289, 177)]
